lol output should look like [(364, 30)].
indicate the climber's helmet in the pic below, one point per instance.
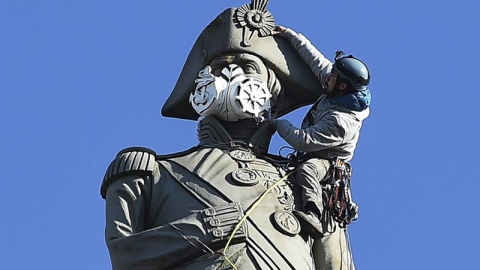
[(352, 69)]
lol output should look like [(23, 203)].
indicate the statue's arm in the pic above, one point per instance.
[(317, 62), (132, 245), (135, 245)]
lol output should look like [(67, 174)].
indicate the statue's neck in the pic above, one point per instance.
[(211, 130)]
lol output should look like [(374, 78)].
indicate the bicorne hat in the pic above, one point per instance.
[(246, 29)]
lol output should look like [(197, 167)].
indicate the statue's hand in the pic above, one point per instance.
[(279, 30)]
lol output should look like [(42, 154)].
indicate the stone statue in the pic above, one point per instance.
[(225, 203)]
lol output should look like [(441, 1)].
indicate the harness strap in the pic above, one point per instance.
[(340, 203)]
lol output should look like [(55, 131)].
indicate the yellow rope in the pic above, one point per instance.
[(253, 207), (230, 262)]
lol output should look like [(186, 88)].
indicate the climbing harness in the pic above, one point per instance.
[(295, 158), (336, 190), (340, 202)]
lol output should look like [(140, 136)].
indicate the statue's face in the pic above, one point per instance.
[(233, 87), (252, 65)]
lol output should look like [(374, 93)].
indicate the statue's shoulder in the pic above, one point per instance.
[(178, 154), (129, 161), (138, 161)]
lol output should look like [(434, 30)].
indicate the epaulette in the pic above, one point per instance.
[(130, 161)]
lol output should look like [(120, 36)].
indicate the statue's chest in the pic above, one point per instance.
[(213, 177), (236, 175), (222, 176)]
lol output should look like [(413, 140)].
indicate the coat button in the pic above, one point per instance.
[(242, 155), (286, 223), (245, 177)]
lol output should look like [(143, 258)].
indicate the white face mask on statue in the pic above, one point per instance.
[(231, 96)]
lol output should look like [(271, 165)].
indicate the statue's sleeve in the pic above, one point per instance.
[(317, 62), (134, 246)]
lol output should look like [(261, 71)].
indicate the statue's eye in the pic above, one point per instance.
[(250, 68)]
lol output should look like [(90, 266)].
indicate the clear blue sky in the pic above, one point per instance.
[(80, 80)]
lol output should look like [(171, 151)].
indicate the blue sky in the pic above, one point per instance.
[(80, 80)]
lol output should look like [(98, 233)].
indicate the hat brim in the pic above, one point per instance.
[(223, 35)]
